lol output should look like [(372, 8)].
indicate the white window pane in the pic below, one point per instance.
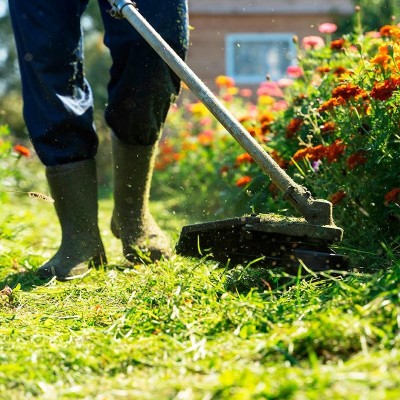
[(250, 57)]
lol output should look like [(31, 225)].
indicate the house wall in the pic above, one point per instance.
[(211, 23)]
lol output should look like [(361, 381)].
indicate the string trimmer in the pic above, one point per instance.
[(273, 239)]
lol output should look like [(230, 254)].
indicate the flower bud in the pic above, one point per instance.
[(390, 50)]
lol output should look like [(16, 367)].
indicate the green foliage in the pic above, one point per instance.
[(11, 177), (372, 13)]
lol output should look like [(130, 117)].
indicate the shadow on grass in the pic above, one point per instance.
[(27, 280)]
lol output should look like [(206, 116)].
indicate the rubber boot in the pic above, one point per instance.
[(73, 187), (142, 239)]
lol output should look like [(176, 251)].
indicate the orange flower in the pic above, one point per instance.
[(331, 152), (382, 58), (393, 196), (205, 138), (311, 153), (384, 90), (245, 118), (254, 131), (330, 104), (166, 147), (224, 81), (22, 150), (337, 197), (356, 159), (243, 158), (322, 70), (337, 44), (278, 159), (390, 30), (348, 91), (302, 153), (334, 150), (340, 71), (266, 117), (294, 126), (243, 181), (328, 127)]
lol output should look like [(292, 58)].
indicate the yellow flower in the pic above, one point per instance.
[(224, 81), (265, 100), (232, 90), (198, 109)]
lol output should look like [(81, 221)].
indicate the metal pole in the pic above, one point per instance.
[(319, 211)]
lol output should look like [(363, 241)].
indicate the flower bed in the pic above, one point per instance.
[(333, 124)]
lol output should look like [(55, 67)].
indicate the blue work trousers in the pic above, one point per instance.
[(58, 101)]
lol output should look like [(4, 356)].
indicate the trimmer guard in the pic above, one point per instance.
[(273, 240)]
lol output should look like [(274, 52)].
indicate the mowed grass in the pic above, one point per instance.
[(188, 328)]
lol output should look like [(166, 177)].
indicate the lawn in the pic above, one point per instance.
[(187, 328)]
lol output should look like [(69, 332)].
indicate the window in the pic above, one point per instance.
[(251, 56)]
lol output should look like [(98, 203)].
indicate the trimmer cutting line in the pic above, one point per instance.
[(273, 239)]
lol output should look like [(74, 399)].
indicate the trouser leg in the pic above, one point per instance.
[(141, 90), (58, 112), (142, 86), (58, 104)]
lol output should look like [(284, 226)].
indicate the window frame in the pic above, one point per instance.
[(230, 40)]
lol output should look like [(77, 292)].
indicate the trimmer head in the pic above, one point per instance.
[(273, 240)]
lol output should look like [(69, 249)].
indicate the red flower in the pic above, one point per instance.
[(278, 159), (224, 169), (243, 181), (392, 196), (337, 197), (348, 91), (334, 150), (328, 127), (294, 126), (340, 71), (356, 159), (337, 44), (22, 150), (384, 90)]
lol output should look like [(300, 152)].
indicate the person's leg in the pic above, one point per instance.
[(58, 113), (141, 90), (58, 104)]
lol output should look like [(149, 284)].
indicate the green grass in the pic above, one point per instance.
[(188, 329)]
